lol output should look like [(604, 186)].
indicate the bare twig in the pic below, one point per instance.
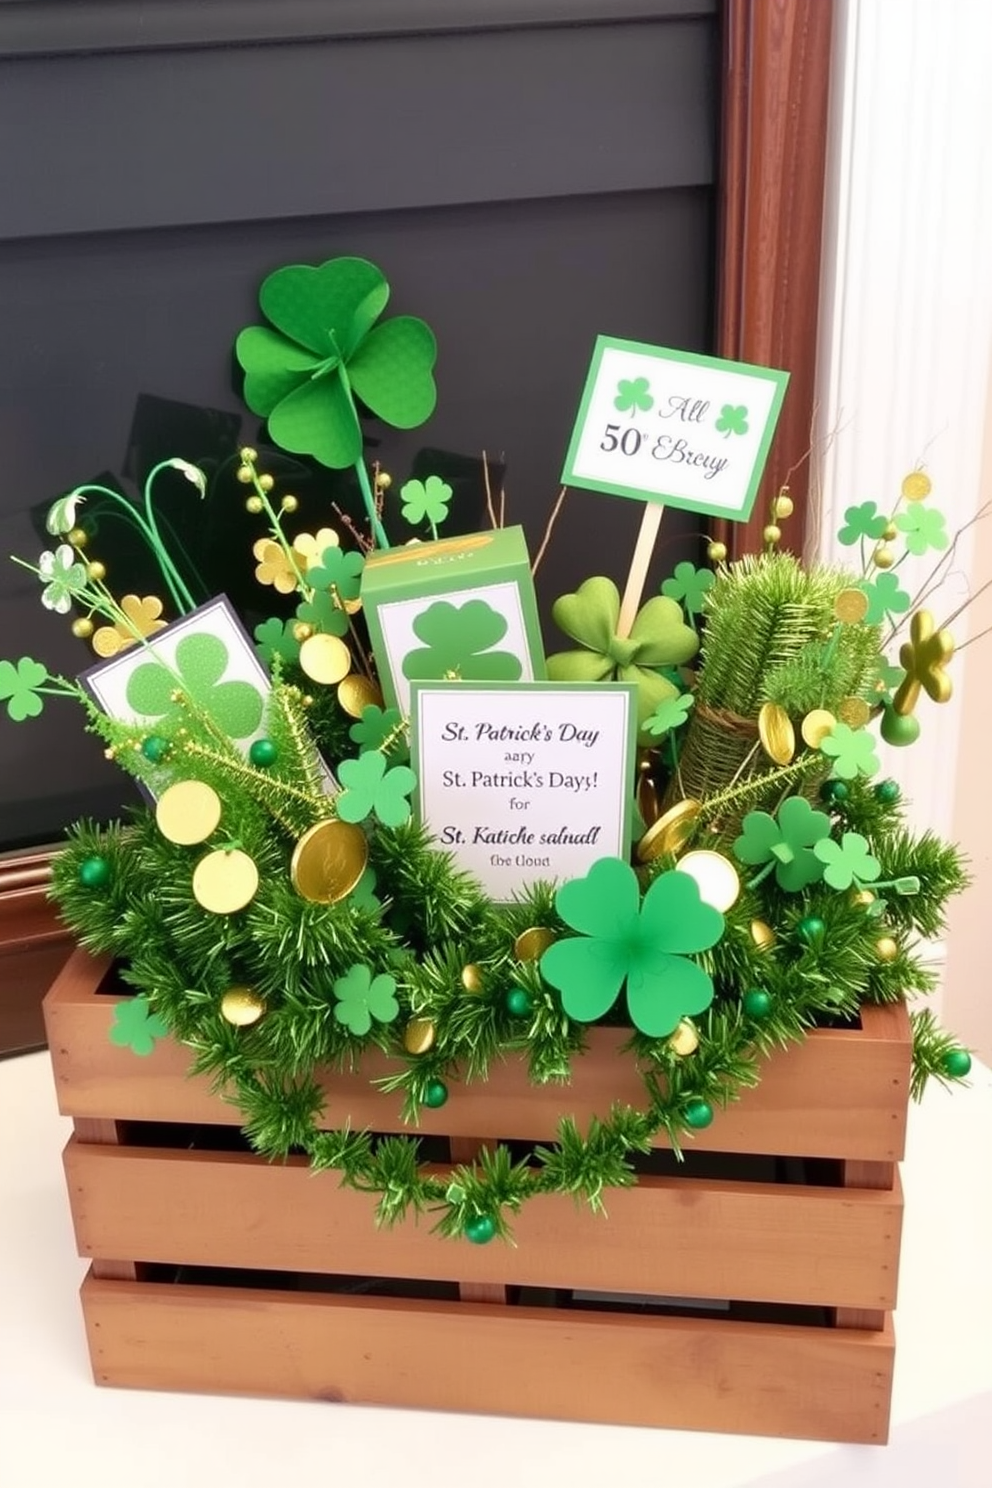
[(549, 529), (363, 542), (935, 578), (489, 492)]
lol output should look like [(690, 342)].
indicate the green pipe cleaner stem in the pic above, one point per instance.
[(162, 553)]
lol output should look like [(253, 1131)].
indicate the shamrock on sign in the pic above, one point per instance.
[(371, 787), (848, 861), (643, 943), (633, 393), (63, 576), (923, 528), (325, 351), (425, 500), (458, 642), (362, 997), (19, 687), (275, 638), (669, 715), (689, 584), (851, 750), (732, 420), (136, 1027), (886, 596), (785, 846), (375, 726), (200, 662), (864, 521)]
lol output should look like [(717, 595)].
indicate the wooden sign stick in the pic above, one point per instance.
[(643, 548)]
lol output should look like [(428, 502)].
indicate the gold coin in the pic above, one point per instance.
[(355, 693), (854, 711), (419, 1035), (225, 881), (472, 978), (816, 726), (241, 1006), (763, 935), (886, 948), (532, 943), (671, 832), (851, 606), (648, 801), (778, 737), (864, 897), (916, 485), (685, 1039), (188, 812), (325, 658), (328, 861), (716, 876)]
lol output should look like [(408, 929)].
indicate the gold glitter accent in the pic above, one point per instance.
[(853, 711), (916, 486), (851, 606), (241, 1006)]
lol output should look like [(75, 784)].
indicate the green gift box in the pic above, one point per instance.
[(460, 608)]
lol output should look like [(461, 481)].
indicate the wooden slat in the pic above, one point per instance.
[(882, 1177), (839, 1094), (101, 1132), (692, 1374), (668, 1236)]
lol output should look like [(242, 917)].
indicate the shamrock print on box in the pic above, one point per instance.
[(462, 609)]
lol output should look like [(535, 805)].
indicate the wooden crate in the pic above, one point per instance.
[(771, 1258)]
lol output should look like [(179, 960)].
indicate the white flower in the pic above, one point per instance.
[(192, 473), (62, 514)]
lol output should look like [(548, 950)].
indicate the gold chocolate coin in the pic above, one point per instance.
[(851, 606), (853, 711), (778, 737), (225, 881), (671, 832), (356, 693), (816, 726), (241, 1006), (715, 875), (328, 861), (419, 1035), (532, 943), (188, 812), (685, 1039), (763, 935), (325, 658)]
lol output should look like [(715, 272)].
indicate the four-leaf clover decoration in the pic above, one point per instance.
[(372, 786), (689, 584), (458, 642), (18, 687), (786, 844), (63, 576), (362, 997), (201, 661), (923, 528), (848, 861), (732, 420), (852, 751), (861, 521), (325, 351), (924, 657), (633, 393), (425, 500), (886, 596), (136, 1027), (669, 715), (622, 939)]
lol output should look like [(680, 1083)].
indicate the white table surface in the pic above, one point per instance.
[(57, 1428)]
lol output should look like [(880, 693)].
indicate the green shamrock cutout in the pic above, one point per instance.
[(425, 500), (689, 584), (201, 661), (633, 393), (362, 997), (275, 638), (363, 895), (18, 687), (852, 751), (323, 612), (886, 596), (786, 845), (459, 641), (848, 861), (864, 521), (659, 637), (669, 715), (325, 351), (887, 679), (136, 1027), (375, 726), (732, 420), (622, 939), (63, 576), (338, 571), (372, 787), (923, 528)]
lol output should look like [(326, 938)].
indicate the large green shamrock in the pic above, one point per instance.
[(669, 715), (371, 786), (18, 687), (623, 939), (633, 393), (732, 420), (886, 596), (201, 661), (425, 500), (326, 351), (63, 576), (658, 637), (689, 584), (459, 641), (923, 528), (852, 751), (861, 521), (136, 1027), (787, 844), (275, 638), (362, 997), (847, 861)]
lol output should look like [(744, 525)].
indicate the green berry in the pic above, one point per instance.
[(94, 872), (899, 729), (518, 1003), (811, 928), (834, 791), (263, 753), (480, 1229), (957, 1063), (887, 791), (435, 1094), (757, 1003), (698, 1114), (155, 748)]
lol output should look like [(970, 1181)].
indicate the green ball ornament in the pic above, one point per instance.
[(263, 753), (435, 1094), (887, 791), (811, 928), (518, 1003), (698, 1114), (957, 1063), (94, 872), (480, 1229), (757, 1003), (834, 792), (899, 729), (155, 748)]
